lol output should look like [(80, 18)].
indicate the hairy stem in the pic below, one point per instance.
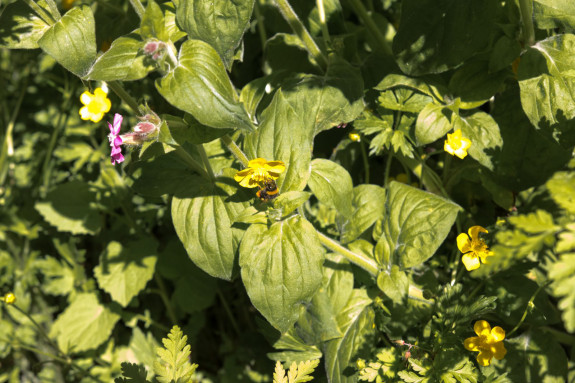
[(368, 264), (526, 9), (117, 88), (138, 7), (235, 149), (206, 162)]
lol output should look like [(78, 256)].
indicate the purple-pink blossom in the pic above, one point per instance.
[(115, 140)]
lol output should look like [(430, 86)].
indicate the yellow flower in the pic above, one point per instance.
[(456, 145), (258, 171), (9, 298), (473, 248), (489, 342), (67, 4), (354, 137), (95, 105)]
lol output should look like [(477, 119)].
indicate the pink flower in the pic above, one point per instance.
[(115, 140)]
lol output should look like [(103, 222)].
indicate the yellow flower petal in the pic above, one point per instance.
[(482, 327), (484, 254), (86, 98), (497, 334), (84, 113), (475, 230), (463, 243), (275, 168), (240, 175), (484, 358), (499, 350), (470, 261), (471, 344), (257, 163)]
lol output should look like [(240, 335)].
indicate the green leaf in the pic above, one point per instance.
[(433, 122), (297, 372), (414, 225), (70, 207), (58, 276), (281, 268), (547, 83), (287, 53), (551, 14), (124, 271), (368, 204), (538, 222), (203, 221), (562, 273), (124, 61), (220, 23), (71, 41), (84, 325), (290, 201), (143, 346), (332, 185), (484, 134), (435, 36), (20, 27), (200, 86), (474, 83), (427, 85), (356, 323), (295, 349), (505, 51), (132, 373), (562, 189), (153, 23), (394, 283), (173, 364), (403, 100)]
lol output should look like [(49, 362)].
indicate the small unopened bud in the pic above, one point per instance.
[(360, 364), (144, 127), (133, 138), (9, 298), (407, 355), (355, 137), (155, 49)]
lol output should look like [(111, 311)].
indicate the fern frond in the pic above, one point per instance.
[(173, 363)]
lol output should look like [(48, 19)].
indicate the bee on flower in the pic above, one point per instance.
[(489, 342), (263, 174)]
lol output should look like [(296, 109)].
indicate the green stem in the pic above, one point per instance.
[(365, 161), (236, 151), (301, 31), (40, 352), (322, 21), (387, 168), (46, 17), (192, 164), (164, 295), (46, 168), (229, 312), (260, 24), (560, 336), (117, 88), (372, 28), (40, 329), (53, 9), (528, 308), (368, 264), (415, 293), (206, 161), (526, 9), (138, 7)]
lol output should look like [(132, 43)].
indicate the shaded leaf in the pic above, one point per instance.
[(20, 27)]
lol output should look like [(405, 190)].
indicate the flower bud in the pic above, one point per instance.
[(9, 298), (155, 49)]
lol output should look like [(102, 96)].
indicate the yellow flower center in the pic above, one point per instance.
[(260, 175)]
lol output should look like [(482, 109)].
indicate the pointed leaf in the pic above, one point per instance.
[(332, 185), (433, 122), (484, 134), (368, 206), (20, 27)]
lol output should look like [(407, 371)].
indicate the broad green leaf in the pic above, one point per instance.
[(70, 207), (203, 222), (173, 362), (124, 61), (428, 85), (403, 100), (484, 134), (433, 122), (200, 86), (290, 201), (284, 134), (505, 51), (415, 224), (551, 14), (143, 346), (281, 268), (176, 134), (368, 204), (435, 36), (294, 348), (547, 82), (220, 23), (474, 83), (84, 325), (562, 189), (72, 40), (174, 32), (125, 270), (534, 356), (394, 283), (332, 185), (153, 24), (356, 322), (58, 276), (20, 27)]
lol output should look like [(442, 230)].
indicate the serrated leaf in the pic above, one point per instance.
[(58, 276), (133, 373), (415, 224), (173, 365), (538, 222), (484, 134), (71, 41), (562, 189), (551, 14), (84, 325), (332, 185), (203, 223), (562, 273), (394, 283), (20, 27), (281, 268), (200, 86), (299, 373), (125, 270), (124, 61), (70, 207), (220, 23)]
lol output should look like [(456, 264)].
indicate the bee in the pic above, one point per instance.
[(268, 191)]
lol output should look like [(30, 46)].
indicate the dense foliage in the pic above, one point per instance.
[(274, 191)]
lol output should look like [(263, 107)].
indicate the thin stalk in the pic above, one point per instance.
[(387, 168), (164, 295), (53, 9), (46, 168), (372, 28), (526, 9), (192, 164), (229, 312), (117, 88), (560, 336), (260, 25), (322, 21), (368, 264), (235, 149), (365, 161), (40, 352), (45, 16), (416, 294), (528, 308), (301, 31), (206, 162), (138, 7)]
